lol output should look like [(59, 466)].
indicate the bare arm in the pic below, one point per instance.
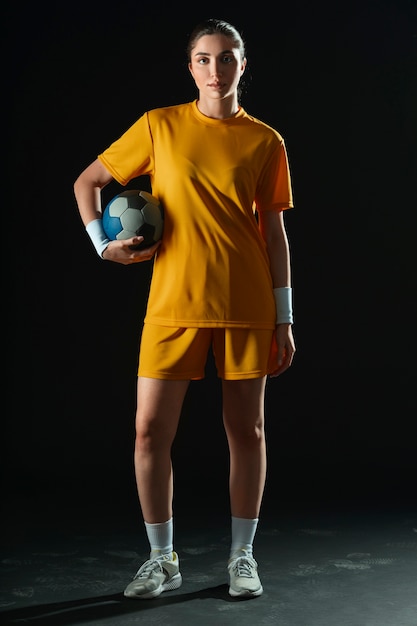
[(87, 190), (272, 227)]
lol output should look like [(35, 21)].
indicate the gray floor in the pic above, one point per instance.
[(328, 566)]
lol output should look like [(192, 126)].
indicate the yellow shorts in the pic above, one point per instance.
[(181, 353)]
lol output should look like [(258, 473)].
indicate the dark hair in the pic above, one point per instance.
[(215, 27)]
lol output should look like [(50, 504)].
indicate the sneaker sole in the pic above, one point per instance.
[(172, 583), (245, 593)]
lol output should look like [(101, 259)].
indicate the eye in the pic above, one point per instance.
[(202, 61), (228, 59)]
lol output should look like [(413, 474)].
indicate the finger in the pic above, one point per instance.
[(279, 371), (144, 254), (281, 354), (284, 360)]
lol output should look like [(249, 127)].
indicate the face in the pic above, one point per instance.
[(216, 66)]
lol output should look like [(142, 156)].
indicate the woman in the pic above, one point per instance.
[(221, 279)]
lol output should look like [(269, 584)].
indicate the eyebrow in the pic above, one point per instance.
[(207, 54)]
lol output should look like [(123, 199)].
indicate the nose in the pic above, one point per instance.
[(215, 68)]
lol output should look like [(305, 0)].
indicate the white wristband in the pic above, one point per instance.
[(97, 235), (283, 302)]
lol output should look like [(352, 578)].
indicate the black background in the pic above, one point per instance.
[(338, 81)]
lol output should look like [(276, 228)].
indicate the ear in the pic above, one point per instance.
[(243, 66), (191, 70)]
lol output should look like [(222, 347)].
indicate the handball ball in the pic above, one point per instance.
[(134, 213)]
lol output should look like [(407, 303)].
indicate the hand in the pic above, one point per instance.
[(120, 251), (285, 348)]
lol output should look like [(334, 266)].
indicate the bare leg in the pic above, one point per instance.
[(159, 404), (243, 417)]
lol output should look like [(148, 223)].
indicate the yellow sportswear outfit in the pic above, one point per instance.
[(212, 268)]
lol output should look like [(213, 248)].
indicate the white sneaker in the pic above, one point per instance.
[(243, 573), (154, 577)]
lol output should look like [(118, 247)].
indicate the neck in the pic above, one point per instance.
[(218, 109)]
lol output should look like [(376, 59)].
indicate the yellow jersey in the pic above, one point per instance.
[(211, 177)]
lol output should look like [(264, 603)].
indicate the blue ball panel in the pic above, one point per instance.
[(111, 225)]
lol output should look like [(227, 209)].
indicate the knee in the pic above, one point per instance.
[(149, 440), (249, 436)]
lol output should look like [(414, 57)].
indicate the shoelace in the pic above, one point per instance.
[(147, 568), (243, 567)]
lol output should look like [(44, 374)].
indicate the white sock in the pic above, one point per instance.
[(243, 534), (160, 538)]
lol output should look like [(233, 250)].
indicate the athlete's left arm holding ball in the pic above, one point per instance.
[(272, 227), (87, 190)]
